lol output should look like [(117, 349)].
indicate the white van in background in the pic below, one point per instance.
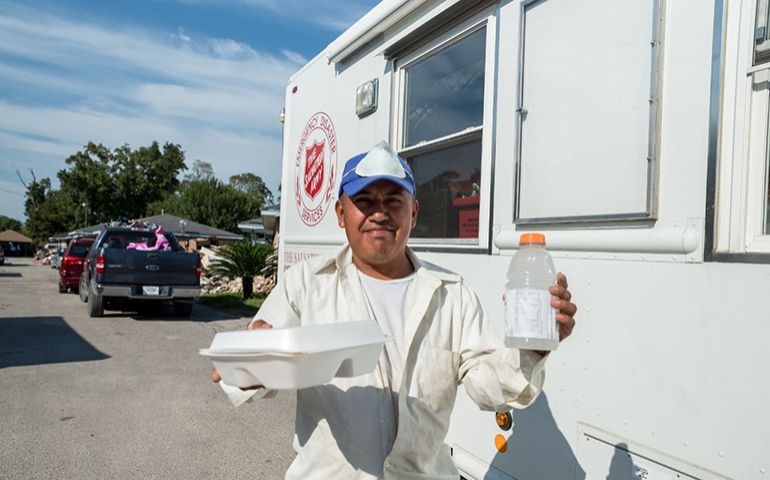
[(634, 135)]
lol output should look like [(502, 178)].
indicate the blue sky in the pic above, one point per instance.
[(206, 74)]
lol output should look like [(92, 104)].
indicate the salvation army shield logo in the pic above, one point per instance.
[(314, 169)]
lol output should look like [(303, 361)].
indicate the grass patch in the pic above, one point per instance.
[(233, 303)]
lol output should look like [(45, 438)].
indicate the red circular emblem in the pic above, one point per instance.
[(314, 168)]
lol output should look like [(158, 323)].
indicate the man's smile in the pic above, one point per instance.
[(379, 229)]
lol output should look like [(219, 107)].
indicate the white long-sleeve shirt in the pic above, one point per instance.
[(346, 428)]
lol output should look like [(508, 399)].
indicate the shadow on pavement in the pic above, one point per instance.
[(10, 274), (165, 313), (42, 340)]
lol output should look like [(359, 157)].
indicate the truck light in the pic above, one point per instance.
[(198, 268), (366, 98), (99, 267), (501, 443), (504, 420)]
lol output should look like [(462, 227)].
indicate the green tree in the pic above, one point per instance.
[(145, 175), (47, 211), (121, 182), (209, 202), (87, 184), (101, 185), (200, 170), (253, 185), (242, 259), (8, 223)]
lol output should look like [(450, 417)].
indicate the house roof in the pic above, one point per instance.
[(264, 223), (180, 227), (14, 236), (254, 225)]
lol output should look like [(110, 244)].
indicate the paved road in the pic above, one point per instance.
[(121, 397)]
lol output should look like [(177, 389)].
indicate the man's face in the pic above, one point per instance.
[(377, 221)]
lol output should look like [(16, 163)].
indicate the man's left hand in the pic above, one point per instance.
[(566, 309)]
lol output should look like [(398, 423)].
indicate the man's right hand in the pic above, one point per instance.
[(254, 325)]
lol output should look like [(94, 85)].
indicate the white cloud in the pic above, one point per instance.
[(294, 57), (23, 76), (227, 48), (334, 15), (22, 142), (74, 46), (182, 36), (68, 83)]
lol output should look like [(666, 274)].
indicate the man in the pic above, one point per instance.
[(392, 422)]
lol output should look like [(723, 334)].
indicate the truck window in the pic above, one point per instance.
[(79, 250), (445, 91), (740, 161), (588, 111), (121, 239), (761, 33), (766, 230), (762, 56), (441, 134)]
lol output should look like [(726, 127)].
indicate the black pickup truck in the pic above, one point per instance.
[(115, 277)]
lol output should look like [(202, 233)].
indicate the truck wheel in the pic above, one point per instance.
[(95, 305), (83, 291), (183, 309), (62, 288)]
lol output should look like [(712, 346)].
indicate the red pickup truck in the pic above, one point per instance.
[(71, 266)]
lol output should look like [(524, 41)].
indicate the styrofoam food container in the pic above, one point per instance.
[(299, 357)]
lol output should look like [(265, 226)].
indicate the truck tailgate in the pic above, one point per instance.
[(149, 268)]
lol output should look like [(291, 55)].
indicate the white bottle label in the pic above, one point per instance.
[(529, 314)]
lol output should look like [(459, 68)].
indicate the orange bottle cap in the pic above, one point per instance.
[(527, 238)]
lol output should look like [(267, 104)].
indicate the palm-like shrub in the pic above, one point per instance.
[(242, 259), (271, 266)]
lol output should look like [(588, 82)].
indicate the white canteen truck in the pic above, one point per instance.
[(634, 135)]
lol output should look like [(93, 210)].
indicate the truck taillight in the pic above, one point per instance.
[(198, 268), (99, 267)]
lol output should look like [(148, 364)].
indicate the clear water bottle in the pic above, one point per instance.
[(530, 320)]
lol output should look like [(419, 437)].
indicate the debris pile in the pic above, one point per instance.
[(211, 284)]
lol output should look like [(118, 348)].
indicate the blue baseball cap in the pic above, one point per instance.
[(379, 163)]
